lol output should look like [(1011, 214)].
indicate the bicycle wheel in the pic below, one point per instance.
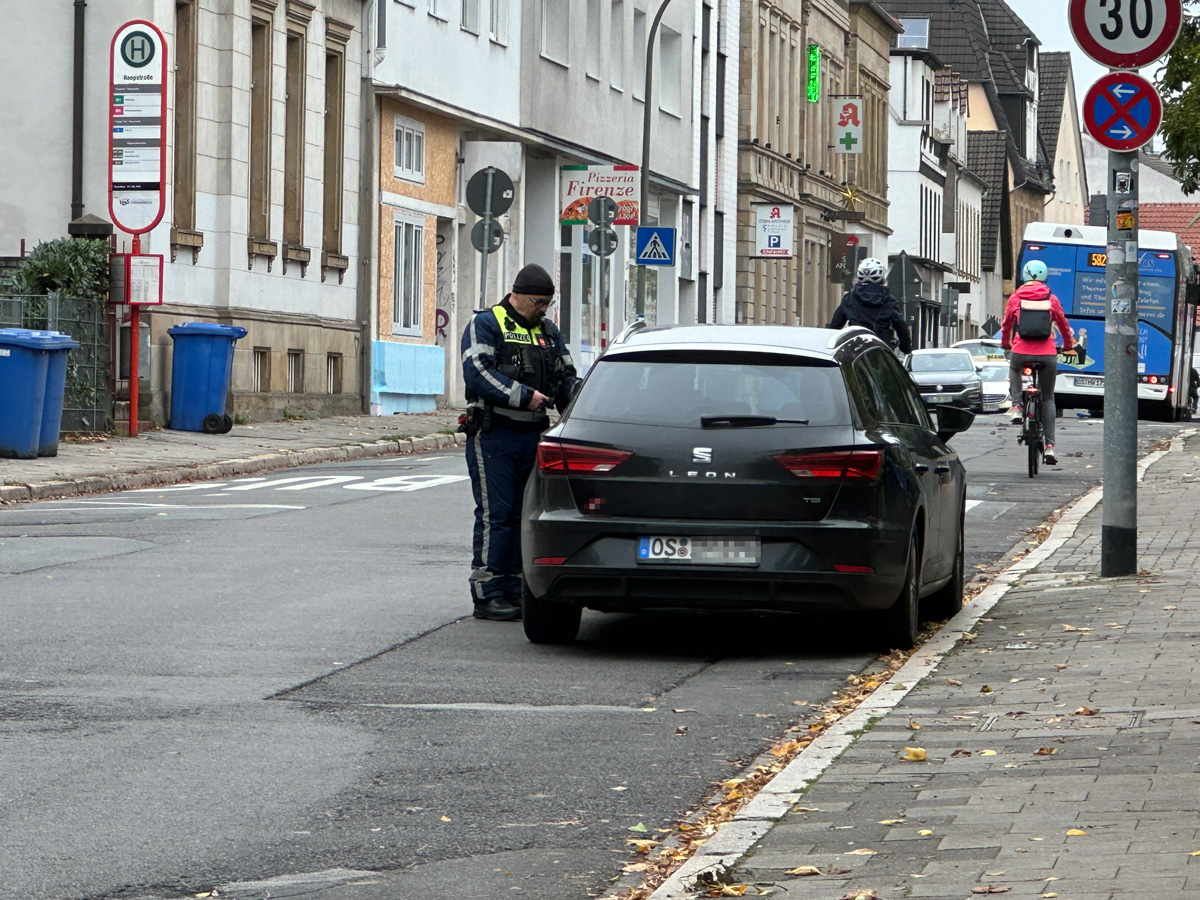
[(1033, 436)]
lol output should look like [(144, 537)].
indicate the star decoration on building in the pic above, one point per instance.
[(850, 197)]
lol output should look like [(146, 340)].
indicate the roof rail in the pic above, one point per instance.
[(846, 333), (631, 329)]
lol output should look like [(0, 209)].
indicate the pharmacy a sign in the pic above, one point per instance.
[(137, 116), (774, 230), (847, 130)]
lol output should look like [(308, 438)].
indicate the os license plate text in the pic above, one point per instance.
[(679, 550), (1088, 382)]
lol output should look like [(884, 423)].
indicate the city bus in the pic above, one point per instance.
[(1076, 257)]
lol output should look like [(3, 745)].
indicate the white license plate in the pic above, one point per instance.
[(937, 398), (699, 551), (1088, 382)]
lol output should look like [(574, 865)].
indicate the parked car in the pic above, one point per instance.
[(995, 387), (946, 376), (748, 468)]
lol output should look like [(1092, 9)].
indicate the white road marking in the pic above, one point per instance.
[(971, 504), (405, 482), (317, 481), (112, 506)]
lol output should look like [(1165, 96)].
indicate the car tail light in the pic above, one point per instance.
[(854, 570), (853, 464), (549, 560), (556, 457)]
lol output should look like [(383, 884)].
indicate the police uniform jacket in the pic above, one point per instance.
[(505, 361)]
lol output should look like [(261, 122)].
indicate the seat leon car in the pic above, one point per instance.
[(746, 468)]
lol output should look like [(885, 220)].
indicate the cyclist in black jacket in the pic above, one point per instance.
[(871, 305)]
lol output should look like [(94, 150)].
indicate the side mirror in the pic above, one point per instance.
[(952, 420)]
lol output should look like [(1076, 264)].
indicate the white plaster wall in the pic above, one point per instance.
[(440, 60)]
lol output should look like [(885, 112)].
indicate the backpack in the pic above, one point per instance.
[(1033, 320)]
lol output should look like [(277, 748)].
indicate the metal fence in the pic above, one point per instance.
[(88, 401)]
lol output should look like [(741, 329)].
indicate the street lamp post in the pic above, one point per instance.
[(644, 204)]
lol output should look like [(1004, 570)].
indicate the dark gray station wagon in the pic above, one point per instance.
[(745, 467)]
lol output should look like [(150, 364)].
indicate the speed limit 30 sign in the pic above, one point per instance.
[(1125, 34)]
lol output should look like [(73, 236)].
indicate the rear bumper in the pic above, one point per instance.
[(795, 573)]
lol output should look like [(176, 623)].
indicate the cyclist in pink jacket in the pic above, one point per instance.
[(1026, 331)]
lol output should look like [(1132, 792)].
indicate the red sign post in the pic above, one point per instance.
[(137, 144)]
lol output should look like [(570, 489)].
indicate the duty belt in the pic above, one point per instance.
[(519, 415)]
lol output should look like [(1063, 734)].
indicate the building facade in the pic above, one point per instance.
[(260, 205)]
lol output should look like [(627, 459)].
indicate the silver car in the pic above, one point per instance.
[(946, 376)]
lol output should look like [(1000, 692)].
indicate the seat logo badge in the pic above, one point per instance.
[(702, 454)]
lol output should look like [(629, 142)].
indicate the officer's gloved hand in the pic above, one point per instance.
[(566, 393)]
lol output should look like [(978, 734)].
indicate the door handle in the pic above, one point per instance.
[(942, 469), (921, 467)]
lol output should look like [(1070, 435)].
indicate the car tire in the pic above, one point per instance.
[(947, 600), (898, 627), (547, 622)]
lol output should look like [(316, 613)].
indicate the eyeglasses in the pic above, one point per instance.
[(546, 302)]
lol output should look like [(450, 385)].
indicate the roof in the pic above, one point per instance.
[(986, 157), (1008, 35), (1053, 71), (788, 339), (1182, 219)]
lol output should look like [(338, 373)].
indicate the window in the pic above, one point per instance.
[(556, 30), (915, 36), (185, 115), (498, 21), (410, 149), (295, 372), (440, 9), (469, 16), (293, 158), (639, 53), (593, 39), (410, 257), (670, 94), (335, 152), (616, 44), (261, 376), (260, 129), (333, 373)]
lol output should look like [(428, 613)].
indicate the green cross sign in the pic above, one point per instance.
[(848, 140)]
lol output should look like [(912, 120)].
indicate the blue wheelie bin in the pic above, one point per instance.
[(200, 373), (56, 383), (22, 392)]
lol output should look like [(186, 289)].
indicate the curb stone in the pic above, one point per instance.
[(182, 474)]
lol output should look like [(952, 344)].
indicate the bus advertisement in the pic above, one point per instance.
[(1075, 257)]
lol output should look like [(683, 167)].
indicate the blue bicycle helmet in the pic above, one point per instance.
[(1035, 270)]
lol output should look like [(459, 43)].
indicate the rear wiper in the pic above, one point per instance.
[(746, 421)]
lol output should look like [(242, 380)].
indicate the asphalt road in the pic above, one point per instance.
[(235, 681)]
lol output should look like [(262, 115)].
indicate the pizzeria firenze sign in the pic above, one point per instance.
[(582, 184)]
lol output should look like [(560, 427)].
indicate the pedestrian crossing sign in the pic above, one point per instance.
[(655, 246)]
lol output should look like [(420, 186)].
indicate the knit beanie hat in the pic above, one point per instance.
[(534, 281)]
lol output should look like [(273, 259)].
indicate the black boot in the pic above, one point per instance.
[(498, 610)]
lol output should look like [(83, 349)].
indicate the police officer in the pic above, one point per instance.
[(515, 366)]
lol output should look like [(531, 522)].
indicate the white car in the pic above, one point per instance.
[(995, 386), (982, 350)]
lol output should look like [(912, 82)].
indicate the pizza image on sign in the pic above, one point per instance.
[(580, 185)]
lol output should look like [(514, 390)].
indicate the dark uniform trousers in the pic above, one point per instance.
[(499, 462)]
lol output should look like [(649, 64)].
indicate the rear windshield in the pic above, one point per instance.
[(678, 388), (941, 362), (994, 373)]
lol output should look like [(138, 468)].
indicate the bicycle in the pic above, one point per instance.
[(1032, 434)]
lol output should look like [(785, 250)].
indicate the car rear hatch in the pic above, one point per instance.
[(709, 435)]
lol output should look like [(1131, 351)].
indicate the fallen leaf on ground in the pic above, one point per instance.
[(1070, 628), (914, 724), (961, 752), (445, 818), (1045, 751), (988, 889), (644, 846), (804, 870), (1194, 853), (1049, 896), (914, 754), (683, 710), (619, 787), (891, 821), (860, 895), (1060, 666), (953, 682), (987, 752), (986, 689), (1170, 607), (638, 827), (1076, 832), (861, 851), (925, 832), (1085, 711), (682, 729)]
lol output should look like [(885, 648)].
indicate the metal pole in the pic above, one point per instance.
[(644, 203), (1118, 534), (487, 238), (135, 344)]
